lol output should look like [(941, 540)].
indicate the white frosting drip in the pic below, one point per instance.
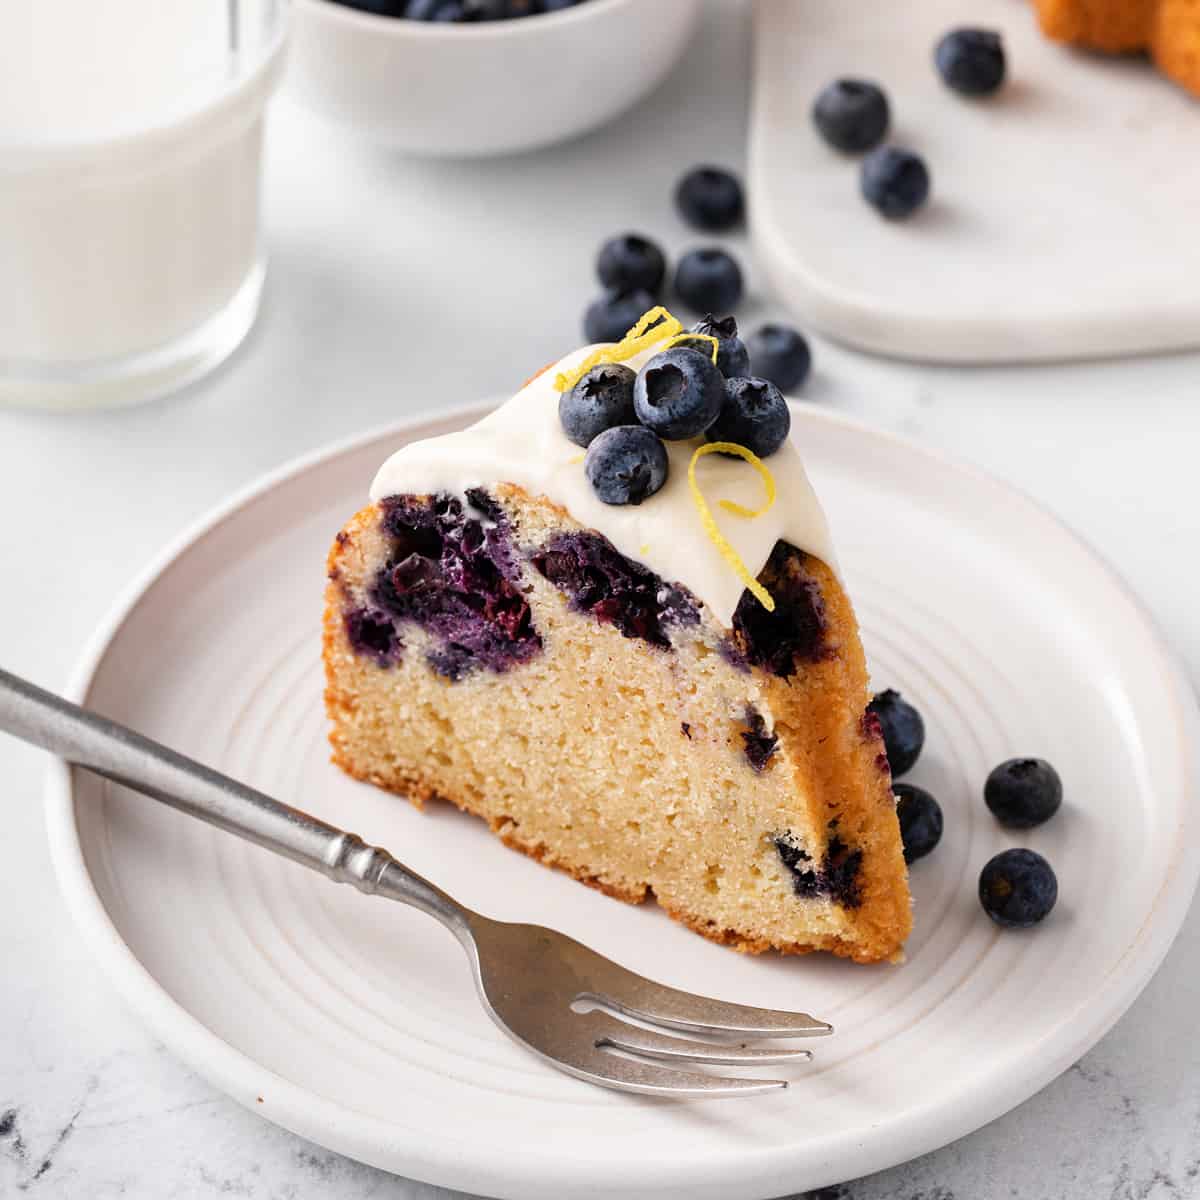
[(523, 443)]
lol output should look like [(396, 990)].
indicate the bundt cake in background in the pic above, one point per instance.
[(1168, 29), (664, 698)]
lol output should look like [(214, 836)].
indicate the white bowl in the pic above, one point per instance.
[(488, 88)]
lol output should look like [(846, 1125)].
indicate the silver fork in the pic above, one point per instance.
[(532, 981)]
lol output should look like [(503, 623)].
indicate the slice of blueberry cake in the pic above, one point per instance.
[(608, 620)]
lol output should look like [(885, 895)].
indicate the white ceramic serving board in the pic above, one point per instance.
[(1065, 214)]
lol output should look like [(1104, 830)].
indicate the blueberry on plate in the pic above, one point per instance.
[(610, 317), (678, 393), (630, 263), (754, 415), (895, 182), (903, 730), (710, 198), (733, 359), (971, 61), (1018, 888), (852, 115), (780, 353), (626, 464), (708, 280), (557, 5), (1023, 792), (602, 399), (920, 817)]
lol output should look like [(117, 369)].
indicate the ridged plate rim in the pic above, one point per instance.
[(751, 1175)]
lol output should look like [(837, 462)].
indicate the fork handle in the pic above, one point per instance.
[(107, 748)]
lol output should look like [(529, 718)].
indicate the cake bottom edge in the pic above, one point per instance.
[(418, 791)]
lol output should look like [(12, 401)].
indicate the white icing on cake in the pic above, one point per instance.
[(523, 443)]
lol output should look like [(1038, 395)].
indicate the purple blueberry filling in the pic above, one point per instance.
[(840, 871), (805, 880), (373, 634), (457, 578), (614, 589), (795, 631), (732, 654), (872, 731), (759, 745), (836, 878)]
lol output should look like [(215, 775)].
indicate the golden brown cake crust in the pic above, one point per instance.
[(820, 707), (1114, 26), (1168, 29), (419, 794), (1175, 41)]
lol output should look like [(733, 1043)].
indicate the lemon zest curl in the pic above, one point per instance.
[(728, 553), (653, 326)]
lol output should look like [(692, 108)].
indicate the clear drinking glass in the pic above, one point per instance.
[(130, 144)]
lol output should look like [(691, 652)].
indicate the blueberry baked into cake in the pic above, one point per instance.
[(607, 619)]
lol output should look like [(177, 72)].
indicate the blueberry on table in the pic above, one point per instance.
[(733, 359), (381, 8), (895, 182), (754, 415), (852, 115), (458, 11), (903, 730), (601, 400), (708, 280), (630, 263), (610, 317), (1018, 888), (626, 464), (678, 393), (971, 61), (710, 198), (779, 353), (1023, 792), (441, 11), (920, 817)]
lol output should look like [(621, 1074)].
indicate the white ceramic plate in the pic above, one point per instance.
[(353, 1022), (1062, 212)]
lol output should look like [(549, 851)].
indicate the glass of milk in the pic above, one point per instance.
[(130, 134)]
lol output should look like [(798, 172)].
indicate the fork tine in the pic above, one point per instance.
[(638, 997), (608, 1031), (530, 978), (653, 1079)]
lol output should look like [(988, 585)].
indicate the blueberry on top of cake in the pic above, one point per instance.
[(621, 638)]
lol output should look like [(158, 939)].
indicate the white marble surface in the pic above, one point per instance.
[(396, 286)]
